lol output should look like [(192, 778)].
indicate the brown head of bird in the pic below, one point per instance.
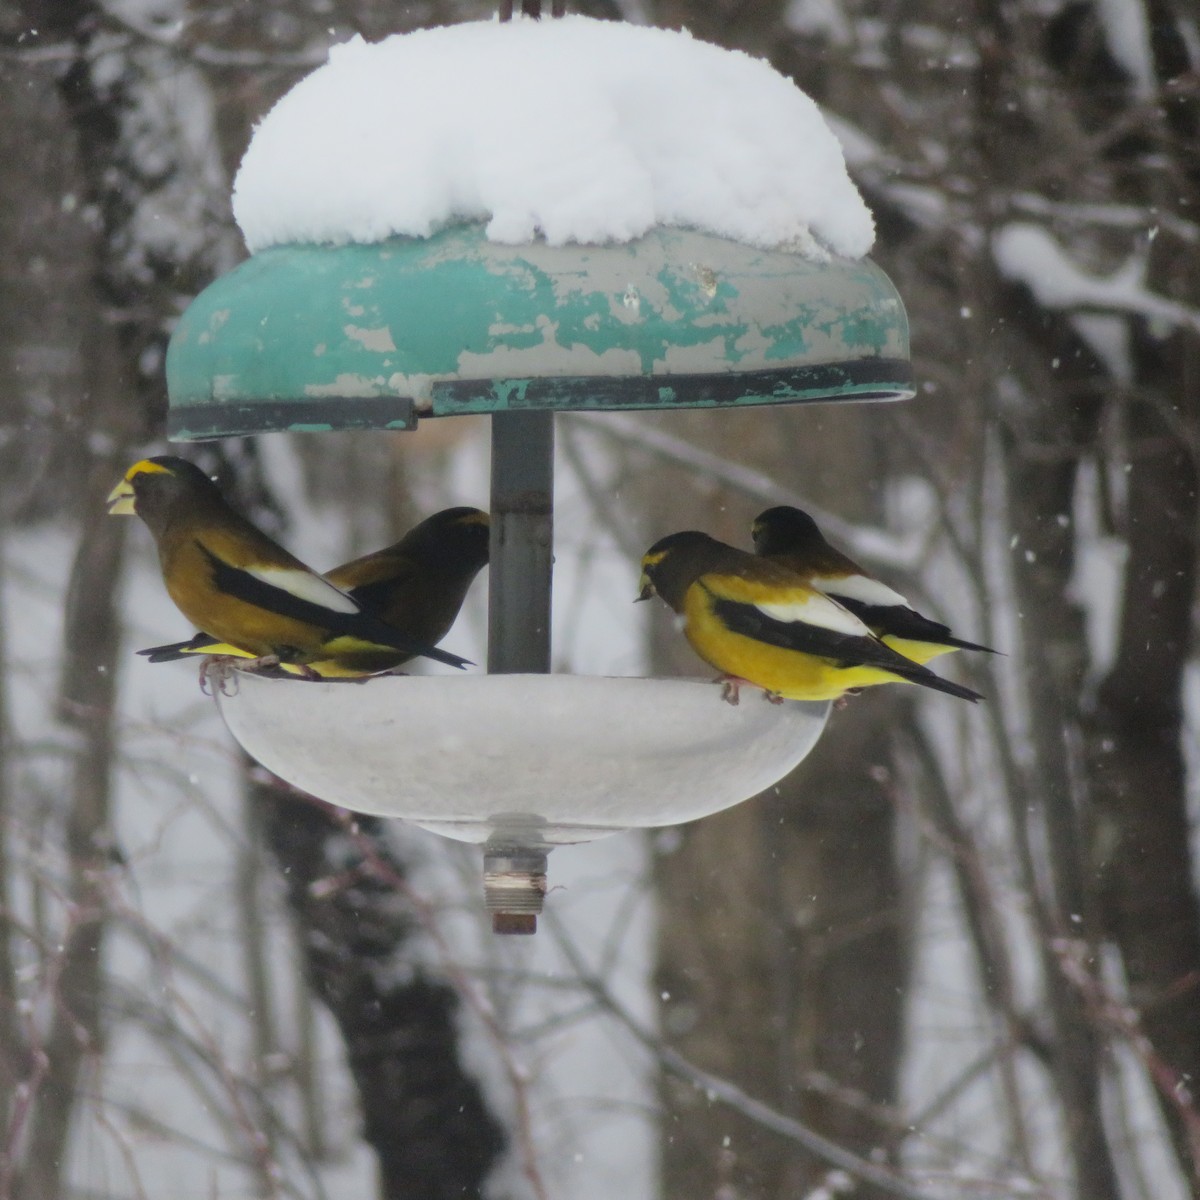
[(785, 530), (160, 490), (455, 539)]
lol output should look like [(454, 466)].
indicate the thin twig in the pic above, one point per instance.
[(730, 1094), (876, 547)]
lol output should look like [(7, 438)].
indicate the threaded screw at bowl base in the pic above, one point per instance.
[(514, 889)]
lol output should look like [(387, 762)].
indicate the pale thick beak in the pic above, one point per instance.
[(647, 589), (120, 500)]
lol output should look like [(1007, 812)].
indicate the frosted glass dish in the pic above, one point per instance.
[(527, 760)]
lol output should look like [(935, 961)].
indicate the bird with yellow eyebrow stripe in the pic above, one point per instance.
[(758, 622), (417, 585), (237, 585), (790, 536)]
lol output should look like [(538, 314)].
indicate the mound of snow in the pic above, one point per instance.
[(575, 129)]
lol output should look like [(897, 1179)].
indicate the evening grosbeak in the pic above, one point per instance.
[(758, 622), (791, 537), (417, 585), (239, 587)]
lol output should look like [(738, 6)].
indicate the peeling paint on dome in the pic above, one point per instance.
[(371, 339), (460, 324)]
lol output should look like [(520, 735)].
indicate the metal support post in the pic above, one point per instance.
[(522, 545), (519, 589)]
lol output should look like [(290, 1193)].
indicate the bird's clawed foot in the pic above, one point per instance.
[(218, 672), (772, 697), (730, 688), (217, 675)]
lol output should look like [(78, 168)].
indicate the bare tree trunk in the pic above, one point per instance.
[(112, 410), (13, 1060), (1052, 812), (848, 948), (751, 25), (76, 1033), (1137, 763), (781, 956), (424, 1116), (1138, 771)]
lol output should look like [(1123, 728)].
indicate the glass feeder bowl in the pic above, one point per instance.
[(520, 763), (543, 760)]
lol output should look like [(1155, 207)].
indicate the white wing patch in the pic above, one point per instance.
[(819, 610), (858, 587), (304, 585)]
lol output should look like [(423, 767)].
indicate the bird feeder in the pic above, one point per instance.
[(322, 338)]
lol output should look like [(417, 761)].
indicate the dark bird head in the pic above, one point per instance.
[(455, 539), (675, 562), (785, 530), (158, 489)]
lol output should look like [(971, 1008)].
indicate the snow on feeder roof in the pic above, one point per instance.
[(562, 214), (572, 130)]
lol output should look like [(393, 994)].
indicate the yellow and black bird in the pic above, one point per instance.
[(790, 536), (240, 587), (758, 622), (417, 585)]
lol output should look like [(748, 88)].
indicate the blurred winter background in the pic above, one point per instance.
[(962, 945)]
